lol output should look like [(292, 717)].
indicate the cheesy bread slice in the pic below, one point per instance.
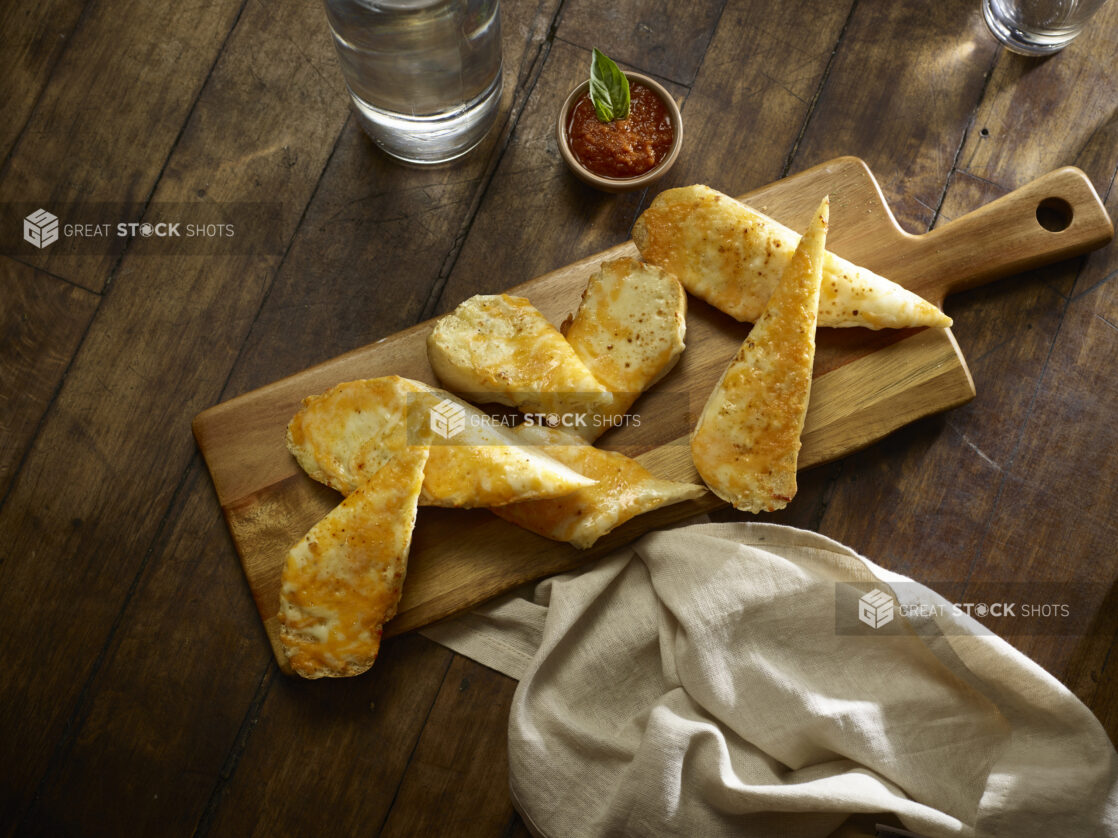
[(501, 349), (624, 489), (347, 434), (747, 440), (342, 582), (733, 257), (628, 331)]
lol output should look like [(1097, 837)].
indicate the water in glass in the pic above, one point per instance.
[(424, 75), (1037, 27)]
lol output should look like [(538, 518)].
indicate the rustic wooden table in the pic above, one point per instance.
[(138, 695)]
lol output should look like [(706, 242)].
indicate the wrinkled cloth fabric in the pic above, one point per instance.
[(699, 683)]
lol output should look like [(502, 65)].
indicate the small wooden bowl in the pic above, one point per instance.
[(610, 184)]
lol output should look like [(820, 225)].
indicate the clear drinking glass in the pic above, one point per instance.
[(424, 75), (1038, 27)]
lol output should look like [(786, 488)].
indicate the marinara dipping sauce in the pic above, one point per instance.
[(625, 147)]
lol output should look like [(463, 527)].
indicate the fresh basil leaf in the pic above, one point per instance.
[(609, 89)]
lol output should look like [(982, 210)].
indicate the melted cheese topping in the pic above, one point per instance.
[(733, 257), (624, 489), (629, 329), (746, 443), (502, 349), (344, 436), (342, 582)]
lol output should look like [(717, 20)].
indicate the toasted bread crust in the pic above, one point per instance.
[(747, 440), (342, 581), (733, 257), (630, 326), (343, 436), (502, 349), (623, 489)]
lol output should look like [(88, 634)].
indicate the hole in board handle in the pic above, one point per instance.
[(1054, 214)]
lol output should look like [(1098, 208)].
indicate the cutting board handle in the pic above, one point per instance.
[(1056, 216)]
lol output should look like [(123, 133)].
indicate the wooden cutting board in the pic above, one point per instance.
[(866, 385)]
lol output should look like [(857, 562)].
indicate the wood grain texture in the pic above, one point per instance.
[(1012, 510), (1009, 145), (347, 764), (1046, 471), (118, 433), (379, 238), (536, 215), (397, 224), (755, 89), (42, 324), (158, 722), (912, 116), (32, 38), (461, 558), (130, 693), (1027, 310), (118, 97), (456, 780), (139, 693), (659, 34)]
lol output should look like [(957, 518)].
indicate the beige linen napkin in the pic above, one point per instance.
[(714, 680)]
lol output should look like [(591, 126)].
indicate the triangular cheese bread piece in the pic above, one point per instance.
[(628, 331), (733, 256), (624, 489), (342, 582), (345, 435), (747, 440), (502, 349)]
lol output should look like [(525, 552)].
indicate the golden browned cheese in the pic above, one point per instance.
[(628, 331), (501, 349), (342, 582), (343, 436), (624, 489), (747, 440), (733, 257), (346, 434)]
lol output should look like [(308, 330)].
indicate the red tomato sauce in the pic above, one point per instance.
[(625, 147)]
